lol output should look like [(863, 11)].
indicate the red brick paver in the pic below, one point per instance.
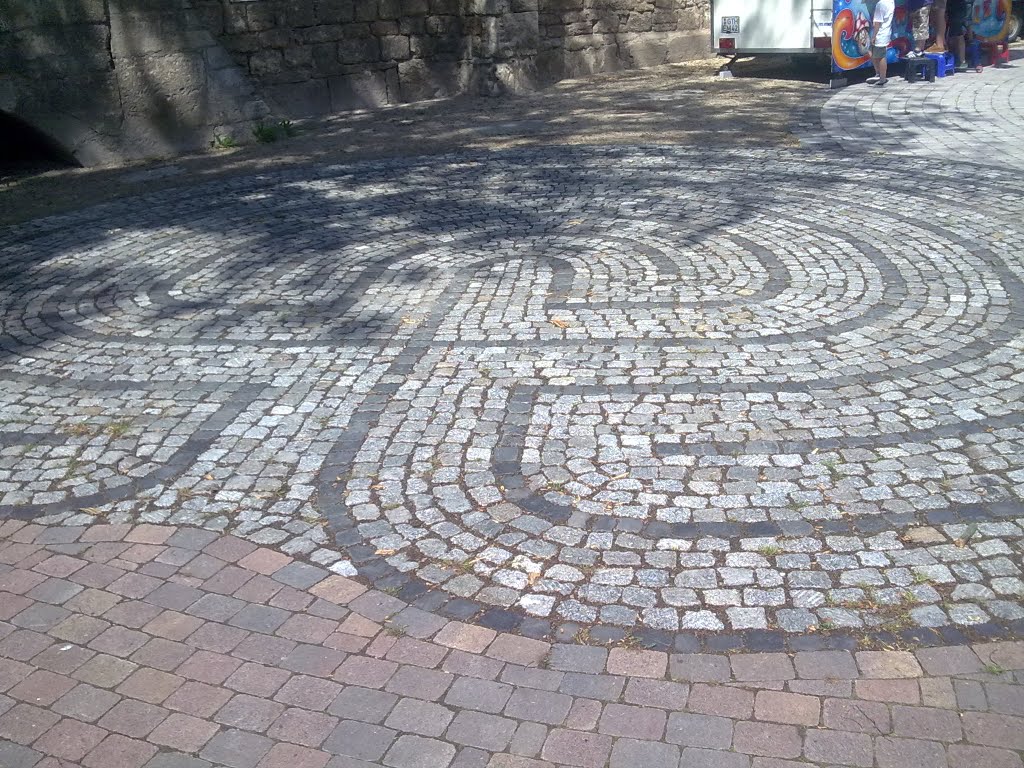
[(204, 656)]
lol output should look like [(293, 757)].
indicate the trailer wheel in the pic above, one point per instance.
[(1015, 25)]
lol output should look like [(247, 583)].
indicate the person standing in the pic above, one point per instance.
[(957, 28), (920, 16), (881, 36)]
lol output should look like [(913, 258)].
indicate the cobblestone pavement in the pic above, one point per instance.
[(972, 117), (697, 398), (175, 647)]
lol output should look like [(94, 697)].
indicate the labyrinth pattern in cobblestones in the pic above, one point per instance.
[(640, 390)]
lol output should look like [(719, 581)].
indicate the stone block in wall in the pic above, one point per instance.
[(210, 13), (553, 65), (383, 28), (275, 38), (389, 9), (298, 57), (362, 90), (440, 46), (665, 21), (234, 20), (334, 11), (165, 91), (217, 57), (356, 30), (643, 50), (488, 7), (266, 62), (58, 51), (583, 42), (299, 13), (415, 8), (307, 99), (640, 22), (358, 50), (260, 16), (442, 25), (33, 13), (688, 45), (325, 58), (322, 33), (419, 79), (88, 96), (578, 28), (445, 7), (627, 6), (413, 25), (518, 34), (691, 18), (366, 10), (395, 47), (488, 40), (524, 6), (559, 6), (243, 43)]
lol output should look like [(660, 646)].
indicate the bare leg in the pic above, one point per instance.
[(959, 49), (939, 22), (881, 66)]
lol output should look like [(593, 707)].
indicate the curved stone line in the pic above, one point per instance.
[(508, 471), (561, 282), (772, 287), (198, 442)]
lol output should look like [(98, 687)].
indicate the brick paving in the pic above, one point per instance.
[(356, 692)]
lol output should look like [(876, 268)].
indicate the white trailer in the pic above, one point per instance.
[(741, 27)]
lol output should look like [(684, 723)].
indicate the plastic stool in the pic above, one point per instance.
[(919, 69), (944, 63), (998, 52)]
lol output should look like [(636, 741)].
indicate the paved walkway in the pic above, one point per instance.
[(538, 437), (171, 647), (970, 117)]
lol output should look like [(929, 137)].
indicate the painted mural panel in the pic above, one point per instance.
[(851, 29)]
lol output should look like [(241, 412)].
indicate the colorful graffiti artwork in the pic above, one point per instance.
[(991, 19), (851, 33), (851, 29)]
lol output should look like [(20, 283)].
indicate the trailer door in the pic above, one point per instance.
[(765, 26)]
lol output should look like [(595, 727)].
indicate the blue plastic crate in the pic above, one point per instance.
[(944, 63)]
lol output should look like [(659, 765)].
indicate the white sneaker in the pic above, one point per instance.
[(873, 80), (914, 55)]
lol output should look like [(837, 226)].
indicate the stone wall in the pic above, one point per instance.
[(313, 57), (116, 80)]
